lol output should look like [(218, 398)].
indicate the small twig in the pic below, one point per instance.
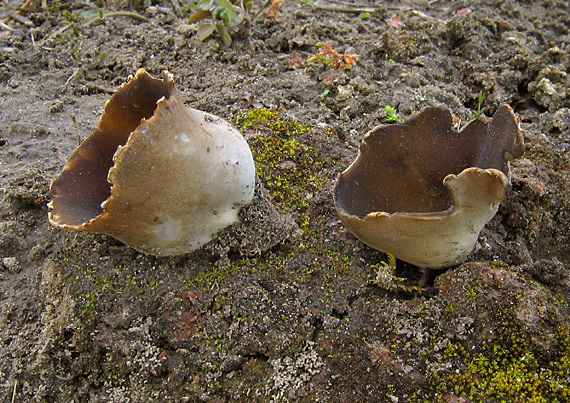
[(343, 9), (20, 18), (74, 121), (27, 3), (71, 77), (6, 27), (421, 14), (15, 15), (59, 155), (261, 10), (130, 14), (64, 378), (14, 391), (364, 27), (346, 3)]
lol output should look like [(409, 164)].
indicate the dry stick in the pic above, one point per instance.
[(71, 77), (6, 27), (421, 14), (130, 14), (346, 3), (363, 9), (330, 7), (20, 18), (14, 391), (260, 10), (26, 4), (74, 121), (364, 27), (135, 16), (17, 12)]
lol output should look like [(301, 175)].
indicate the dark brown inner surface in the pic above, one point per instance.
[(401, 167), (83, 186)]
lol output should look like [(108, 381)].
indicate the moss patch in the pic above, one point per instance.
[(507, 371), (287, 156)]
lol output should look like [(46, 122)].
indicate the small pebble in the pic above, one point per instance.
[(11, 263)]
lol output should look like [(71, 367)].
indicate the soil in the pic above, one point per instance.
[(302, 314)]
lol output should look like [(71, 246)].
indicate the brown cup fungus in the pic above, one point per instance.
[(159, 176), (422, 191)]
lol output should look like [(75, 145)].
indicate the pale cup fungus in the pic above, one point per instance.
[(159, 176), (422, 191)]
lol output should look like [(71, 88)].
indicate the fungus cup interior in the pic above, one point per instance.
[(82, 187), (401, 167)]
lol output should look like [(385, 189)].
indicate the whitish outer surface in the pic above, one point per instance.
[(182, 176), (436, 239)]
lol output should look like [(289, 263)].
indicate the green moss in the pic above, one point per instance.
[(294, 161), (499, 265), (287, 161), (257, 117), (97, 282), (89, 303), (206, 279), (509, 370), (471, 294)]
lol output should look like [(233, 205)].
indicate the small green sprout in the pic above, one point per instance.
[(73, 34), (480, 110), (391, 262), (365, 16), (227, 18), (392, 114), (56, 6)]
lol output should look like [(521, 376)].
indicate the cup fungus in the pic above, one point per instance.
[(160, 177), (422, 191)]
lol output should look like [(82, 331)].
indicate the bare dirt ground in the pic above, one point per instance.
[(84, 318)]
